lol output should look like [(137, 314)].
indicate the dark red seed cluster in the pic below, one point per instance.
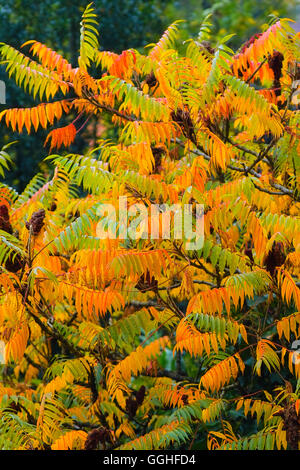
[(248, 250), (185, 399), (53, 206), (146, 283), (157, 154), (250, 41), (275, 63), (275, 258), (36, 221), (207, 46), (4, 219), (13, 262), (291, 425), (140, 395), (150, 79), (183, 118), (96, 436), (133, 402)]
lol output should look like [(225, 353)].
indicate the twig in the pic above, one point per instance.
[(256, 70)]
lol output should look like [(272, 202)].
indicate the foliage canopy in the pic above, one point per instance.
[(143, 344)]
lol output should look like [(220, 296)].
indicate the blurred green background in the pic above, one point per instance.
[(123, 24)]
